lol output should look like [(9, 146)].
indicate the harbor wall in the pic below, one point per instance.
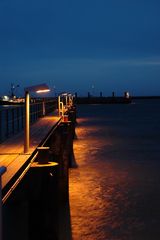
[(39, 207)]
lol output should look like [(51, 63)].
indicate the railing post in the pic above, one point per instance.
[(66, 101), (13, 119), (22, 118), (59, 106), (43, 107), (27, 123), (7, 123), (62, 109), (2, 170), (18, 119)]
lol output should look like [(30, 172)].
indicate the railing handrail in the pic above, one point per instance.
[(12, 117)]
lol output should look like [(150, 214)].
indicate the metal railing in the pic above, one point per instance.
[(12, 117)]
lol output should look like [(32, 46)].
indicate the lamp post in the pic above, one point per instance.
[(27, 123), (61, 105), (70, 99), (65, 101), (42, 88)]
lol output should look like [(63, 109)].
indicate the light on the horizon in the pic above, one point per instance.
[(126, 94)]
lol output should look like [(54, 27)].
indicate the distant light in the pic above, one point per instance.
[(126, 94), (5, 98)]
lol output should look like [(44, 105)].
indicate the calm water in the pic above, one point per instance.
[(115, 190)]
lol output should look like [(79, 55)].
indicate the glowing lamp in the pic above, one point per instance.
[(38, 88)]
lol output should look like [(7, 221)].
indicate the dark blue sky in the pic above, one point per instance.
[(75, 44)]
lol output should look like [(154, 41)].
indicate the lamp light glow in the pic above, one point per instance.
[(42, 91), (41, 87)]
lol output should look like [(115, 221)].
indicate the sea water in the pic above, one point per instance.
[(115, 188)]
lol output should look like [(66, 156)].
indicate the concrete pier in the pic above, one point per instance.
[(37, 193)]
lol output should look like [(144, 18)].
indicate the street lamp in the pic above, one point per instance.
[(65, 102), (61, 105), (41, 88), (70, 99)]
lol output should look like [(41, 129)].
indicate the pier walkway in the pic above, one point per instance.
[(12, 154)]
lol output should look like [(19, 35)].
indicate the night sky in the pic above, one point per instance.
[(81, 45)]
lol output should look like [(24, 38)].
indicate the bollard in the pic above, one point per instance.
[(65, 118)]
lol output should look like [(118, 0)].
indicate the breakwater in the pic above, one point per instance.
[(91, 99), (103, 100)]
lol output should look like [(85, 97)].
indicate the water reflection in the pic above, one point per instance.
[(115, 191)]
